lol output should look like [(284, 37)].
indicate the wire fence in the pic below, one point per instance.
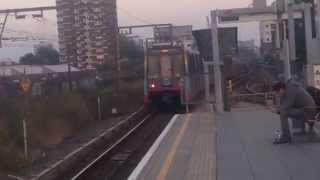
[(257, 100)]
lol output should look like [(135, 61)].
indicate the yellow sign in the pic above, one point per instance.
[(230, 86), (25, 85)]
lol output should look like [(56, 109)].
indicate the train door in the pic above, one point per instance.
[(153, 71), (178, 69)]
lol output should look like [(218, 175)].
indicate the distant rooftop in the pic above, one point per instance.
[(258, 7), (246, 11), (16, 70)]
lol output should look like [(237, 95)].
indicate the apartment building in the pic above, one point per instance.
[(88, 31)]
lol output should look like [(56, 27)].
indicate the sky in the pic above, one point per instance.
[(130, 12), (156, 11)]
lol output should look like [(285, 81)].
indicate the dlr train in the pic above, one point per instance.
[(173, 74)]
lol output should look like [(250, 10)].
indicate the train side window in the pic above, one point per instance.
[(153, 66), (199, 63), (202, 65), (196, 63), (191, 64)]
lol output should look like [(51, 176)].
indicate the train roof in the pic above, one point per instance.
[(189, 46)]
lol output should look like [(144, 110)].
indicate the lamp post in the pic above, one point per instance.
[(69, 76), (291, 30), (290, 43)]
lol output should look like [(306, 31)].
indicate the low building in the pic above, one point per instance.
[(46, 79), (7, 62)]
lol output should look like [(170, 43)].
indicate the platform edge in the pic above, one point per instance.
[(136, 172)]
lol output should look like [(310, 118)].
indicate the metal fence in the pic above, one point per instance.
[(258, 100)]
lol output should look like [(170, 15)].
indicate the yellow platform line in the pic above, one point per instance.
[(170, 156)]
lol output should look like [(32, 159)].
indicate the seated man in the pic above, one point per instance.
[(295, 103)]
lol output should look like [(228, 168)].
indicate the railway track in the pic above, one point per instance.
[(119, 158), (75, 161)]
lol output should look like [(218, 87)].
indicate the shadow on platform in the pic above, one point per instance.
[(245, 150)]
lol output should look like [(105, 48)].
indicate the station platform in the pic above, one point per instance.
[(184, 150), (237, 145), (245, 150)]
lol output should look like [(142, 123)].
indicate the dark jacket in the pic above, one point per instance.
[(296, 97)]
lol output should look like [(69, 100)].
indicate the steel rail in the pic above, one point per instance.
[(72, 154), (115, 145)]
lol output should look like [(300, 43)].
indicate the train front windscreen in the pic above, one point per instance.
[(165, 68)]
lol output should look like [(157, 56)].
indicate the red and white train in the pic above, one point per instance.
[(173, 74)]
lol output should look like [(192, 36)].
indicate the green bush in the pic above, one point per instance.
[(58, 117), (10, 118), (11, 136), (69, 107), (127, 100), (13, 160)]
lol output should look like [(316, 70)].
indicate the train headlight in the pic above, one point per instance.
[(152, 85)]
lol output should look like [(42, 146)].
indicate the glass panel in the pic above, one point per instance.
[(153, 67), (166, 66)]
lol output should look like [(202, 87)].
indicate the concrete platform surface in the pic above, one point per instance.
[(245, 150), (232, 146), (185, 150)]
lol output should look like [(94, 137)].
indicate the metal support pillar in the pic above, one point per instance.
[(286, 50), (117, 64), (310, 44), (278, 38), (287, 62), (291, 31), (2, 28), (217, 63), (186, 97), (70, 83), (308, 29), (207, 81), (99, 108), (318, 22), (25, 138), (207, 86)]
